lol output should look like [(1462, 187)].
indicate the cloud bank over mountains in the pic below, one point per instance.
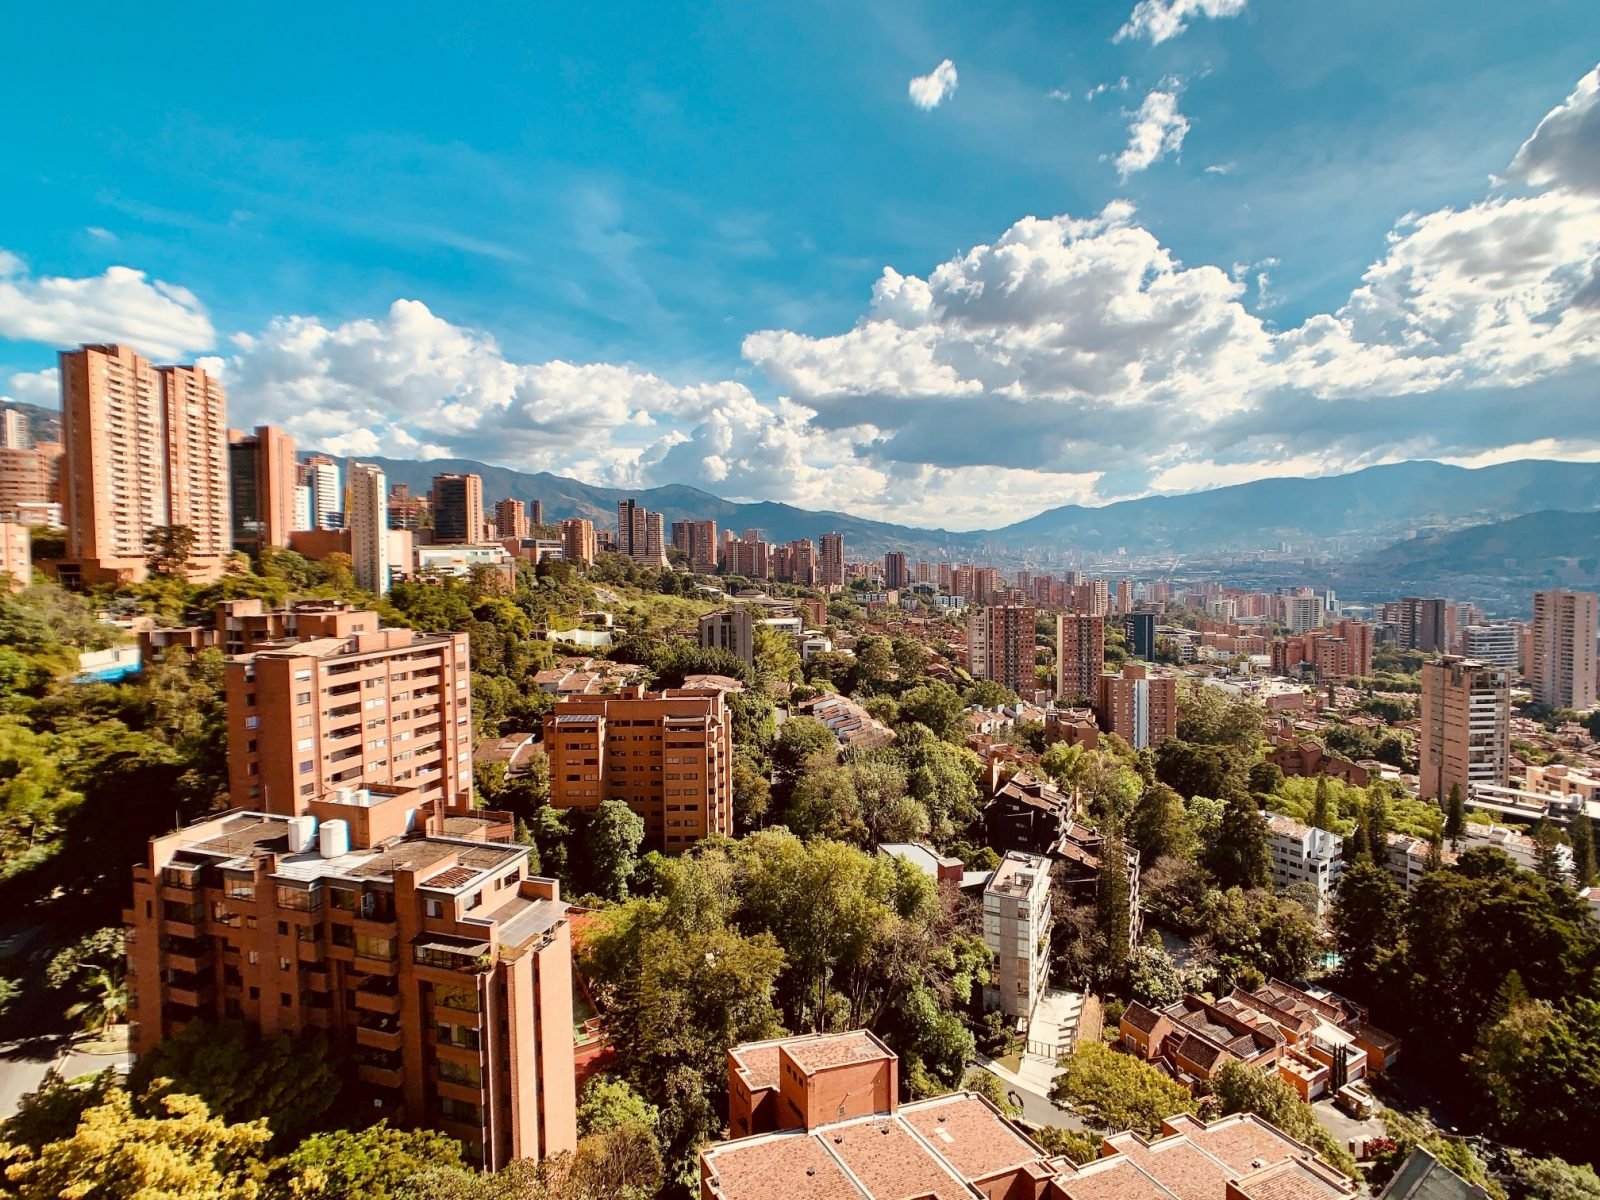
[(1073, 358)]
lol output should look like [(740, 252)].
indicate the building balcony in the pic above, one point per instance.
[(380, 1076), (378, 996), (378, 1038), (194, 995)]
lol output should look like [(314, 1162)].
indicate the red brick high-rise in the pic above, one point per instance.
[(146, 447), (1080, 656)]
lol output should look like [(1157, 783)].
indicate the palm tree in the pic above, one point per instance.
[(106, 1005)]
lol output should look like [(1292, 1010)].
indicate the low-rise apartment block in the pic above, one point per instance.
[(668, 755), (844, 1135), (1304, 854), (1016, 928), (434, 960)]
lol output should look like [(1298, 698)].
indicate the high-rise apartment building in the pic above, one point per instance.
[(510, 519), (321, 474), (698, 541), (405, 510), (894, 570), (1303, 613), (1080, 656), (435, 962), (261, 482), (1000, 645), (304, 507), (830, 560), (1498, 643), (667, 755), (457, 508), (1425, 624), (796, 562), (1137, 705), (1466, 726), (1139, 631), (1563, 668), (376, 706), (640, 534), (535, 513), (146, 447), (30, 482), (15, 433), (368, 519), (577, 540)]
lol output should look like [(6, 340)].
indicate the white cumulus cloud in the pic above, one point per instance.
[(1157, 129), (1157, 20), (930, 90), (1564, 150), (120, 304)]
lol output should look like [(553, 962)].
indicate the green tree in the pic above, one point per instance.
[(1112, 896), (612, 837), (752, 794), (1325, 811), (1240, 1087), (1581, 836), (290, 1082), (1556, 1179), (1536, 1066), (376, 1163), (1113, 1091), (1366, 921), (115, 1152), (775, 655), (1455, 821), (1158, 825), (168, 549), (1239, 857), (986, 693), (935, 705)]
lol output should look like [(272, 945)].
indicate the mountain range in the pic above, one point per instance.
[(1364, 510)]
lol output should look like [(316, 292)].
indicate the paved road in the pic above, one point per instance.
[(23, 1066), (1036, 1107)]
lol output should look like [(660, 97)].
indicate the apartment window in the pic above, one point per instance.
[(464, 1037), (239, 889), (468, 1074), (252, 722), (456, 999), (380, 948), (344, 936), (433, 907), (302, 698)]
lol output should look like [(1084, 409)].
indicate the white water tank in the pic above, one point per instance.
[(333, 839), (302, 833)]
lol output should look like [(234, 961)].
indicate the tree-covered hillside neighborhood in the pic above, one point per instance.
[(854, 892)]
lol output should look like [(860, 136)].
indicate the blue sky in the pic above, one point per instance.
[(648, 244)]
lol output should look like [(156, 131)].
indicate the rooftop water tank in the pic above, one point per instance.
[(333, 839), (302, 833)]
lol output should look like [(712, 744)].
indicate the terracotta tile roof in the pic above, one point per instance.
[(1141, 1018), (1110, 1179), (760, 1063)]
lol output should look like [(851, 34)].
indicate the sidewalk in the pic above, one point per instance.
[(1025, 1090)]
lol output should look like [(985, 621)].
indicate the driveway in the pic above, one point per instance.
[(1036, 1106), (24, 1064), (1347, 1129)]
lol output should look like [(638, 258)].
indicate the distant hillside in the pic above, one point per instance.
[(1391, 499), (44, 424), (1542, 549), (563, 497), (1379, 502)]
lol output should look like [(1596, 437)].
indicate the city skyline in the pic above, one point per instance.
[(1163, 297)]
